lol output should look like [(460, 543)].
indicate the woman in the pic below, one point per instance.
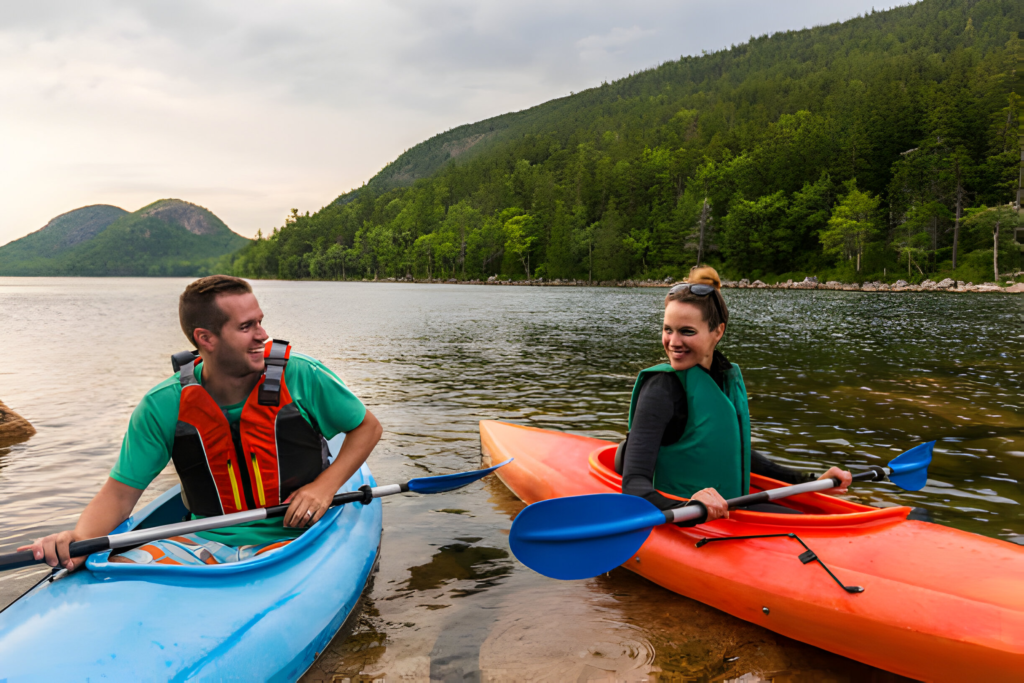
[(689, 427)]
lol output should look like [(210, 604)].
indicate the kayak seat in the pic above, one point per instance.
[(192, 549), (168, 508)]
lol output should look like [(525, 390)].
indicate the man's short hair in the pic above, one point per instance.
[(197, 306)]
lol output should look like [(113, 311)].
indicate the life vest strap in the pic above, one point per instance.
[(276, 358), (183, 358), (185, 362)]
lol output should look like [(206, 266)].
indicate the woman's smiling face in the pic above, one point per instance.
[(686, 337)]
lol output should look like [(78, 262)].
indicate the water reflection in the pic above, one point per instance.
[(834, 377), (460, 562)]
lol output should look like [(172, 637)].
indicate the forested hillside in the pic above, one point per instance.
[(878, 145), (56, 237), (167, 237)]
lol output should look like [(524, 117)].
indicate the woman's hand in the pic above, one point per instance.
[(53, 550), (843, 476), (713, 501), (309, 503)]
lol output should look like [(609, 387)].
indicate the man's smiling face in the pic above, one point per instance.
[(240, 344)]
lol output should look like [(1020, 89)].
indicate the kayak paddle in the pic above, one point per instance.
[(579, 537), (131, 539)]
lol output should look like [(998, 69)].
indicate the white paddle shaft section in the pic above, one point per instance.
[(388, 490), (685, 514), (809, 487), (133, 538)]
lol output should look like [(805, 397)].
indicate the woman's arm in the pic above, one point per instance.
[(654, 410), (759, 464)]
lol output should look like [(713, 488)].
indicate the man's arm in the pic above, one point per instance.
[(111, 506), (309, 503)]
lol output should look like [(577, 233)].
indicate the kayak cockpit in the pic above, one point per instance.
[(168, 508), (818, 509)]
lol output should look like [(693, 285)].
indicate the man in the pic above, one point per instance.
[(246, 424)]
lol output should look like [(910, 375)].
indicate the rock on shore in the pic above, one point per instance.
[(13, 427), (946, 285)]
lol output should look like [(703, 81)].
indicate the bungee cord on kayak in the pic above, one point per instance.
[(805, 557)]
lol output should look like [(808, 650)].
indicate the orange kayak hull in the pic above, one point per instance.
[(939, 604)]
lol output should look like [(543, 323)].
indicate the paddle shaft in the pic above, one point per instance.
[(685, 514), (130, 539)]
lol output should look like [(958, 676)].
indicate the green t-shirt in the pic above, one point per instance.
[(146, 449)]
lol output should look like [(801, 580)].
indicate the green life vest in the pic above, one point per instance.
[(714, 450)]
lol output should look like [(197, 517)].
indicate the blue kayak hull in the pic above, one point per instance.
[(266, 618)]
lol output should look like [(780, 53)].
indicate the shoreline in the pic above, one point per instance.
[(946, 285)]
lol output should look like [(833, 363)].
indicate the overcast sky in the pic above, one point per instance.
[(252, 108)]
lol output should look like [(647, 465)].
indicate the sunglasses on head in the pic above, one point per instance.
[(699, 290)]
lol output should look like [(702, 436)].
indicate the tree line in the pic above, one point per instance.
[(884, 146)]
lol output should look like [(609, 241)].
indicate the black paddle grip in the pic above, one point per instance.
[(873, 473), (24, 558), (89, 546), (752, 499), (340, 499)]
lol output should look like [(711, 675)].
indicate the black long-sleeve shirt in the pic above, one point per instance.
[(659, 420)]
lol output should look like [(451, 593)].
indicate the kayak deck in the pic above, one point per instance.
[(938, 604), (265, 618)]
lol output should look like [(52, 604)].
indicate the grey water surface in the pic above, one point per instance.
[(834, 377)]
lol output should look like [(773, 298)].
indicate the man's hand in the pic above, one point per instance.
[(308, 504), (843, 476), (53, 549), (108, 508)]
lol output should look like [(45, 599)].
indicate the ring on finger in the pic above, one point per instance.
[(309, 513)]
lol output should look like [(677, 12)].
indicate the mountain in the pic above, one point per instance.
[(845, 151), (167, 237), (60, 234)]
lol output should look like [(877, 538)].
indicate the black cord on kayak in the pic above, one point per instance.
[(805, 557), (367, 494)]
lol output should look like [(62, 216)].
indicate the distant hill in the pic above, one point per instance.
[(60, 234), (167, 237)]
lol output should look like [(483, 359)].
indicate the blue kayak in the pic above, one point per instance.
[(265, 619)]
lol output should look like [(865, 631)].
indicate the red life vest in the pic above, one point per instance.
[(255, 462)]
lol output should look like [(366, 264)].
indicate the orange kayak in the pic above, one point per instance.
[(939, 604)]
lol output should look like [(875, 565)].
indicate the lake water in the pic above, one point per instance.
[(834, 377)]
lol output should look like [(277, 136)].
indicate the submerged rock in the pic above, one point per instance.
[(13, 427)]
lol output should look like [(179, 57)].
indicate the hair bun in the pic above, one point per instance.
[(704, 275)]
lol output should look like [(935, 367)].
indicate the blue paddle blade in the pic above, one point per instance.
[(909, 470), (450, 482), (582, 536)]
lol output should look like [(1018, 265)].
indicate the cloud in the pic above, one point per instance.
[(252, 108), (611, 44)]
